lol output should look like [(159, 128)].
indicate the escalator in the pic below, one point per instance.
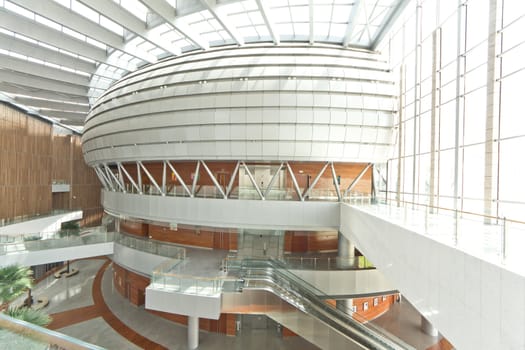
[(302, 308)]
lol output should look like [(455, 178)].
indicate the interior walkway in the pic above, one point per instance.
[(87, 307)]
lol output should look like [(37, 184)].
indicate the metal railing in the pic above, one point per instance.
[(490, 235), (275, 276), (250, 193), (327, 263)]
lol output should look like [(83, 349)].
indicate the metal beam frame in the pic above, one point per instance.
[(294, 181), (232, 179), (311, 20), (213, 179), (356, 180), (312, 185), (20, 89), (215, 10), (167, 13), (26, 48), (117, 13), (268, 20), (151, 178), (336, 185), (272, 181), (40, 70), (34, 30), (108, 171), (179, 178), (79, 23), (252, 180), (388, 22), (139, 190), (101, 178), (35, 81), (352, 21), (195, 178), (57, 105)]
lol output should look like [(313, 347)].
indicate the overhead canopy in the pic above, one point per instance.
[(58, 56)]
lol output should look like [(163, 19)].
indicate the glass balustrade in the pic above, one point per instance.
[(20, 335), (23, 218), (250, 193), (166, 249), (13, 243)]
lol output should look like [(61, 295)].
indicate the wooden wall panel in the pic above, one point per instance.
[(225, 324), (25, 159), (304, 241), (198, 238), (383, 305), (134, 228), (31, 157), (130, 285)]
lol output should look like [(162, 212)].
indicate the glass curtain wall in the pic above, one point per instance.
[(461, 129)]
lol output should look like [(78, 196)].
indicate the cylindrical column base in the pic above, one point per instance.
[(344, 305), (193, 332), (428, 328), (345, 251)]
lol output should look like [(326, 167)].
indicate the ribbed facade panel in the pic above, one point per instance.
[(255, 103)]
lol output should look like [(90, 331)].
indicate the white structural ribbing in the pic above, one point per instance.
[(308, 103)]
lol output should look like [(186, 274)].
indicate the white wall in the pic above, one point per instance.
[(45, 224), (183, 304), (350, 282), (136, 260), (475, 304), (251, 103), (38, 257), (271, 215)]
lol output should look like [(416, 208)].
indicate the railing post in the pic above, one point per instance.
[(504, 240)]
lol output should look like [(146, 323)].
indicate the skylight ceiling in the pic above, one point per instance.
[(58, 56)]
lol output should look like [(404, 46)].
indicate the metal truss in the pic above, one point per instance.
[(114, 177)]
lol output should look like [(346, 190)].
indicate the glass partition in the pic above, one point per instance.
[(53, 240), (20, 335)]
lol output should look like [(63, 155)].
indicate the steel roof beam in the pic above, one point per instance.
[(40, 32), (352, 21), (265, 12), (388, 22), (69, 117), (63, 106), (26, 48), (118, 14), (311, 20), (19, 89), (28, 67), (41, 83), (79, 23), (167, 13), (221, 17)]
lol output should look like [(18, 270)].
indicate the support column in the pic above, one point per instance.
[(345, 250), (428, 328), (193, 332), (490, 194), (345, 305)]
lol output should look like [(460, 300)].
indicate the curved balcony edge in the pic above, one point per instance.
[(255, 214)]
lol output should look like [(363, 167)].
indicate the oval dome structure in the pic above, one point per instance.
[(265, 103)]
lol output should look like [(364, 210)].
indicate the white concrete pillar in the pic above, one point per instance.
[(193, 332), (428, 328), (345, 250)]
